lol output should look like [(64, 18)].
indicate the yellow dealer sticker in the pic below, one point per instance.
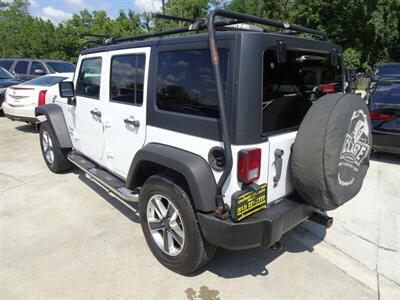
[(248, 202)]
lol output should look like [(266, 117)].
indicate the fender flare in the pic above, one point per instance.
[(192, 167), (56, 120)]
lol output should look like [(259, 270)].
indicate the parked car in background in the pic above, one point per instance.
[(391, 69), (6, 80), (384, 104), (29, 68), (21, 100)]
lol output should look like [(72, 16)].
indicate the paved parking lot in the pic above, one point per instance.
[(63, 236)]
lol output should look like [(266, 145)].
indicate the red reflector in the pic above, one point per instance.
[(380, 117), (42, 97), (328, 88), (249, 165)]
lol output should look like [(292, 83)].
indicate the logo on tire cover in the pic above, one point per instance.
[(355, 147)]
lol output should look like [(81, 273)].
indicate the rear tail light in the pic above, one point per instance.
[(328, 88), (42, 97), (249, 165), (380, 117)]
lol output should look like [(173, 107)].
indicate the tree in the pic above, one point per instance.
[(370, 27)]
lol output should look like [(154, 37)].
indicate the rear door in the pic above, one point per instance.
[(90, 97), (289, 89), (125, 109)]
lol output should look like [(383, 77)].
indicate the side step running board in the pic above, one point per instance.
[(116, 185)]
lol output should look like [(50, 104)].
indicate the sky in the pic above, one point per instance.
[(59, 10)]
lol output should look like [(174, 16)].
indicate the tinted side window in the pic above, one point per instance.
[(6, 64), (89, 77), (186, 84), (36, 66), (21, 67), (127, 78)]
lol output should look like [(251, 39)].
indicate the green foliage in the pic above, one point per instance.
[(352, 58), (368, 27), (368, 30)]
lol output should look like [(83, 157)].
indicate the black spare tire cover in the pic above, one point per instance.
[(330, 156)]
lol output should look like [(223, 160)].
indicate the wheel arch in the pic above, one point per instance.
[(189, 169), (55, 118)]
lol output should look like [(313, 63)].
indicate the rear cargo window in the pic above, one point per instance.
[(186, 84), (386, 93), (289, 88)]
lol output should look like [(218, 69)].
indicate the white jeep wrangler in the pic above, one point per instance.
[(226, 139)]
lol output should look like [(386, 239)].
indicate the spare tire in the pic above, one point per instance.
[(330, 156)]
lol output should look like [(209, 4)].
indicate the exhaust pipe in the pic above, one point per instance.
[(321, 219)]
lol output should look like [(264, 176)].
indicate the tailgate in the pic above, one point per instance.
[(279, 178)]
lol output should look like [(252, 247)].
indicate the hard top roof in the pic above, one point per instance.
[(197, 37)]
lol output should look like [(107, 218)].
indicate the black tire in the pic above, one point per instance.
[(59, 163), (196, 251), (330, 156)]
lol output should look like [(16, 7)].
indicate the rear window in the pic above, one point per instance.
[(186, 84), (61, 67), (45, 80), (386, 93), (21, 67), (289, 88), (6, 64), (388, 70)]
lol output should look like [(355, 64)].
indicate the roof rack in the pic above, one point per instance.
[(201, 24), (211, 24)]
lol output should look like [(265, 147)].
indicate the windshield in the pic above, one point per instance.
[(388, 70), (5, 75), (61, 67), (45, 80), (290, 87), (386, 94)]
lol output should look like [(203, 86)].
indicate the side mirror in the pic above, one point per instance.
[(39, 72), (67, 91)]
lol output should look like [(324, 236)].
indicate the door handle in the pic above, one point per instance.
[(131, 121), (96, 112), (278, 165)]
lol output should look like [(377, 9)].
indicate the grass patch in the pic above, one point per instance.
[(362, 87)]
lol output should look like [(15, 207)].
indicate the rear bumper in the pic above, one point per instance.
[(20, 113), (261, 229)]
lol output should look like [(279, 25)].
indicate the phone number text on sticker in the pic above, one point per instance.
[(248, 202)]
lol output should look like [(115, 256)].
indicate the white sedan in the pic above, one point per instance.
[(22, 99)]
